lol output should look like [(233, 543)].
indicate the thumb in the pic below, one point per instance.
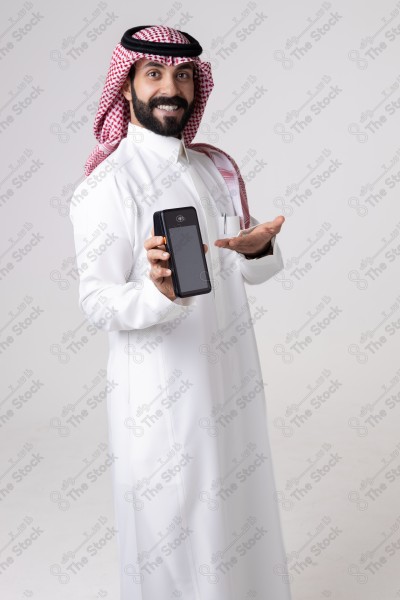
[(205, 248)]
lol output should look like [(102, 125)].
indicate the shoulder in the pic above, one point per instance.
[(101, 187), (204, 149), (220, 158)]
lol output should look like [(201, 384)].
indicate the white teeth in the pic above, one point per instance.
[(167, 107)]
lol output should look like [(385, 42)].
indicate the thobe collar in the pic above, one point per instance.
[(168, 147)]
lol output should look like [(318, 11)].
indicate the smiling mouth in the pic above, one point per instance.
[(168, 109)]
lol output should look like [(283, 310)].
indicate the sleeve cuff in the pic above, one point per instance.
[(269, 249), (261, 269), (165, 308)]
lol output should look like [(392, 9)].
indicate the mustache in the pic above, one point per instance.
[(179, 102)]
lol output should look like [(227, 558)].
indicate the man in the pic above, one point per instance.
[(193, 478)]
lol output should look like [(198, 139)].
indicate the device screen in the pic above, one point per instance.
[(188, 258)]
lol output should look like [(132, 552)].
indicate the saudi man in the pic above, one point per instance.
[(194, 490)]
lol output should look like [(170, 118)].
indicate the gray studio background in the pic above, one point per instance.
[(307, 101)]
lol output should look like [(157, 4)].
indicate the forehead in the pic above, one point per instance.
[(143, 63)]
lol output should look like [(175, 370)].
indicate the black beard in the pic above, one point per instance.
[(169, 125)]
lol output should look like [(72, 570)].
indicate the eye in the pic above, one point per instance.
[(185, 74)]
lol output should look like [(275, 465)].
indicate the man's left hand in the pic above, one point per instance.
[(256, 241)]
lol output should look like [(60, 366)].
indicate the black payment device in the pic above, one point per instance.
[(187, 261)]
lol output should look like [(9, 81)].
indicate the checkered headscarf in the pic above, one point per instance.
[(113, 114)]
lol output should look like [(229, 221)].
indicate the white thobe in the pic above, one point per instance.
[(193, 477)]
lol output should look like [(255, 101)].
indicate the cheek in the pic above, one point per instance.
[(145, 90), (188, 93)]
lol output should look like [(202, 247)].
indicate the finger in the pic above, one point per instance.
[(159, 272), (222, 243), (205, 248), (274, 226), (155, 255), (154, 241)]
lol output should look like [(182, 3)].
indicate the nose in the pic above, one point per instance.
[(169, 86)]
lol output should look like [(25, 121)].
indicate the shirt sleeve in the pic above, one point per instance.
[(103, 240), (258, 270), (255, 270)]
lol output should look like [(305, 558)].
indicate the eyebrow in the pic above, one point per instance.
[(160, 65)]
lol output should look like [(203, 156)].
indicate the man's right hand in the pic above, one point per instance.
[(160, 273)]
